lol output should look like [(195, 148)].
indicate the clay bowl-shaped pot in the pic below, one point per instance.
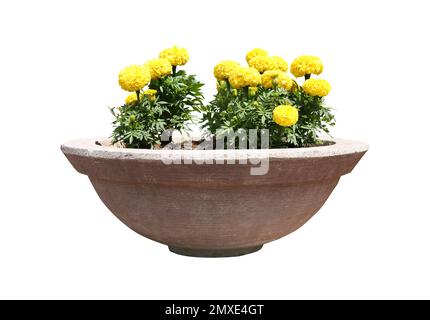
[(213, 210)]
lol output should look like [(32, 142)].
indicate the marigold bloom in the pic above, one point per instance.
[(272, 78), (317, 87), (255, 52), (262, 63), (285, 115), (133, 78), (176, 56), (159, 68), (280, 63), (304, 65), (224, 69), (244, 77), (150, 93), (132, 97)]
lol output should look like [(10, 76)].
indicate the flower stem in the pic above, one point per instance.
[(173, 70), (138, 95), (307, 76), (228, 85), (245, 92)]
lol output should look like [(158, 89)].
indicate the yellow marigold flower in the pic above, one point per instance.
[(244, 77), (176, 56), (132, 97), (223, 69), (150, 93), (272, 78), (253, 77), (262, 63), (159, 68), (280, 63), (255, 52), (317, 87), (306, 65), (133, 78), (237, 79), (285, 115)]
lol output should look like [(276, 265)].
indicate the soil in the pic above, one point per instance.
[(196, 144)]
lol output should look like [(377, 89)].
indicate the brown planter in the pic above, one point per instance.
[(213, 210)]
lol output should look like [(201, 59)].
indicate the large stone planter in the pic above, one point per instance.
[(213, 210)]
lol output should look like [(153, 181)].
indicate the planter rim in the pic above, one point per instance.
[(89, 148)]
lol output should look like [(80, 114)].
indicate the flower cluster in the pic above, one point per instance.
[(263, 69), (264, 95), (161, 98), (259, 95), (134, 78)]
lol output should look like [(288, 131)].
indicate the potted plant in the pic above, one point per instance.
[(218, 199)]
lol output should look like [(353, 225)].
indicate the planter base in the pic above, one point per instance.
[(215, 253), (211, 208)]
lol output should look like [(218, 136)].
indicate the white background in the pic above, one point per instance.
[(58, 73)]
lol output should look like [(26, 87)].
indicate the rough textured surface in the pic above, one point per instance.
[(87, 147), (219, 209)]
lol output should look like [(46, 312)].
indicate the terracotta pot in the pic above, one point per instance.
[(213, 210)]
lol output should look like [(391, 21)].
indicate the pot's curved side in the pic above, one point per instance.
[(214, 210), (201, 217)]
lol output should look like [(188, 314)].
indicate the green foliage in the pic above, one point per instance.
[(314, 118), (239, 109), (140, 124), (182, 94)]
